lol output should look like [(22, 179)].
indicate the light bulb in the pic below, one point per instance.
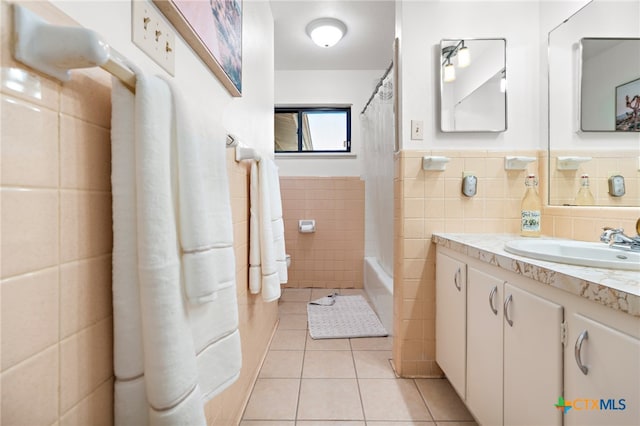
[(449, 73), (464, 57)]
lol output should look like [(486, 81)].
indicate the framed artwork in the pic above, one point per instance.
[(213, 29), (628, 107)]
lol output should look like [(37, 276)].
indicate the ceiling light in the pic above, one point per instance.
[(326, 32)]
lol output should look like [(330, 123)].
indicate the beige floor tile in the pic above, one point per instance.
[(329, 399), (273, 399), (372, 344), (328, 365), (329, 423), (293, 322), (442, 400), (392, 399), (266, 423), (296, 295), (456, 424), (327, 344), (288, 340), (282, 365), (292, 308), (373, 364), (383, 423)]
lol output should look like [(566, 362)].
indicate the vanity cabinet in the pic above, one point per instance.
[(451, 319), (514, 353), (602, 374), (514, 346)]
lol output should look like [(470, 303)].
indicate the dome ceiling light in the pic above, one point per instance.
[(326, 32)]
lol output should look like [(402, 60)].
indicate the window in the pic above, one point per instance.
[(314, 129)]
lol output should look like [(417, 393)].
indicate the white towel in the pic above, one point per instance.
[(262, 250), (277, 223), (206, 228), (168, 352)]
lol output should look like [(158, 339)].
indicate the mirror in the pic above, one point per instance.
[(592, 55), (473, 85), (610, 85)]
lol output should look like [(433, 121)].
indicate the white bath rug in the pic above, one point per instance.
[(342, 317)]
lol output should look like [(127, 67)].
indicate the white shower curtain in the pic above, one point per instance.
[(378, 142)]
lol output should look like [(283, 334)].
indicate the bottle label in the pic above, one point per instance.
[(531, 220)]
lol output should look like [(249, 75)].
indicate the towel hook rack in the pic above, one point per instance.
[(55, 50)]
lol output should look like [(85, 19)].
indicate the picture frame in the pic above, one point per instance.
[(627, 115), (213, 29)]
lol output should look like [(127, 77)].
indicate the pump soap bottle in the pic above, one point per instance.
[(530, 209)]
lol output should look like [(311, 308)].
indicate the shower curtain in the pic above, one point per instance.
[(378, 142)]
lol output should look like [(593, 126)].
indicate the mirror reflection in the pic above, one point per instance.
[(592, 56), (610, 85), (473, 85)]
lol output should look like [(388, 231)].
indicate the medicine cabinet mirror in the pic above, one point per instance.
[(594, 63), (473, 85)]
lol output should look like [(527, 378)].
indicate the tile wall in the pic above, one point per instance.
[(332, 257), (565, 183), (431, 201), (55, 289)]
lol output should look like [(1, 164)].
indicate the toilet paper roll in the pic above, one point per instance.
[(307, 228)]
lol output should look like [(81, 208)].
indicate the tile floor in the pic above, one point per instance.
[(350, 382)]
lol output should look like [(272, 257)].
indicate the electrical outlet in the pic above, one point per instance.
[(417, 129), (153, 35)]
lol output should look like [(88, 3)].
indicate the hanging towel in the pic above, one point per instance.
[(170, 355), (262, 251), (206, 228), (277, 223)]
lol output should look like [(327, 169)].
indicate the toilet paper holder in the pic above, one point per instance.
[(306, 226)]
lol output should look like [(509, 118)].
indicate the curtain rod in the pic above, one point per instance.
[(386, 73)]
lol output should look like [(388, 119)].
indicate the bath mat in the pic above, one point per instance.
[(342, 317)]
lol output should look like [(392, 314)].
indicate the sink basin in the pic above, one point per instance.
[(581, 253)]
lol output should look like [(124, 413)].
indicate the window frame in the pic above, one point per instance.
[(300, 110)]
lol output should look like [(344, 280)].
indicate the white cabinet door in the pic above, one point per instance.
[(532, 358), (451, 288), (612, 361), (484, 346)]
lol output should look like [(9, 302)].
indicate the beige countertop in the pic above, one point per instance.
[(616, 289)]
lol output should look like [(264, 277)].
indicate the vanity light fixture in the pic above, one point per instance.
[(326, 32), (464, 56), (461, 52), (449, 72)]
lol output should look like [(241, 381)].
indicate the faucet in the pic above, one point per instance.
[(616, 238)]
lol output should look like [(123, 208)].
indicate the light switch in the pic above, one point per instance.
[(417, 129)]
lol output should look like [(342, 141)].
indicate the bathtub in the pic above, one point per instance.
[(379, 288)]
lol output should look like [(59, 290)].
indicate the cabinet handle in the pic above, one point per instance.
[(456, 279), (577, 350), (506, 310), (494, 290)]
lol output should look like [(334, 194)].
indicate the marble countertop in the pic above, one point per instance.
[(616, 289)]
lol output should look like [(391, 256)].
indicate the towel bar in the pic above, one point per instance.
[(55, 50)]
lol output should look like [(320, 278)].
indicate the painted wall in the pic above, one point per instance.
[(614, 19), (419, 68), (56, 314), (327, 87)]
